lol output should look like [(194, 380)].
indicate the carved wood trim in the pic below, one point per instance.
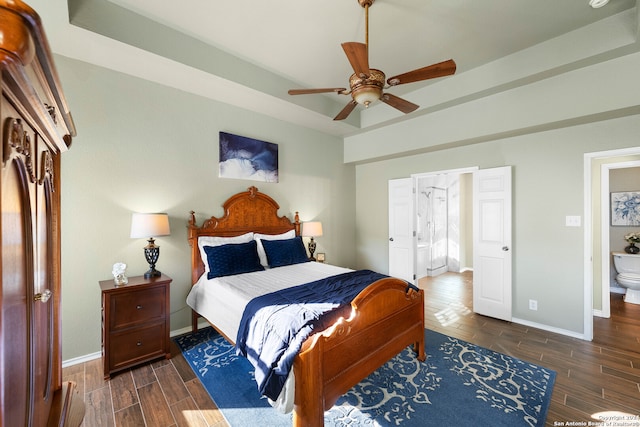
[(47, 170), (17, 140)]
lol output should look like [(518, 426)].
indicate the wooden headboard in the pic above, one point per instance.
[(243, 212)]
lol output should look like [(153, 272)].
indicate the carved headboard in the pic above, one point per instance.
[(243, 212)]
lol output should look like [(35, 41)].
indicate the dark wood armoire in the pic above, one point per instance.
[(36, 129)]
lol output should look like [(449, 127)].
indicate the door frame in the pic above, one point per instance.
[(605, 268), (588, 233)]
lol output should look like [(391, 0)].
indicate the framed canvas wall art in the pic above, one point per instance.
[(247, 158)]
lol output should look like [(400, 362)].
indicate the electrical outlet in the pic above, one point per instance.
[(533, 304)]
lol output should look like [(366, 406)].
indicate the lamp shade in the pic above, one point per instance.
[(312, 229), (145, 225)]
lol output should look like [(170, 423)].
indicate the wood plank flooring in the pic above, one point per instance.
[(592, 377), (622, 330)]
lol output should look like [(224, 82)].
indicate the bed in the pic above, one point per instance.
[(381, 321)]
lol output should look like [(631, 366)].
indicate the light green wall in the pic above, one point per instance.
[(547, 186), (142, 147)]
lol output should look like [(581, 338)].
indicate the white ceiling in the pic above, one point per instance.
[(299, 40)]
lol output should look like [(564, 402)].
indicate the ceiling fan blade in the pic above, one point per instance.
[(310, 91), (346, 111), (441, 69), (399, 103), (357, 55)]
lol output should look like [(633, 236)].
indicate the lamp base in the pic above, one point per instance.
[(312, 249), (151, 254), (152, 273)]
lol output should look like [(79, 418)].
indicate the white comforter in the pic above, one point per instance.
[(222, 301)]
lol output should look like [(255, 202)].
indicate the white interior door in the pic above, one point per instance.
[(401, 229), (492, 242)]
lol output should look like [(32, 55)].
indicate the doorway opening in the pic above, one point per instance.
[(488, 208), (620, 174), (597, 246), (444, 222)]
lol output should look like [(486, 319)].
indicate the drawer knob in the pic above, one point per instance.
[(138, 307), (139, 344)]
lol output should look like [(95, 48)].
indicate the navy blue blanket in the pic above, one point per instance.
[(274, 326)]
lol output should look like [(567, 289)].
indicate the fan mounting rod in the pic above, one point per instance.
[(366, 4)]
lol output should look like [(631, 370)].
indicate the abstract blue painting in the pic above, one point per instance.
[(248, 158), (625, 208)]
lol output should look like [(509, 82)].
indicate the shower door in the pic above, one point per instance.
[(436, 230)]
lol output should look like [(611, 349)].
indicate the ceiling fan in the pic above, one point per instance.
[(366, 85)]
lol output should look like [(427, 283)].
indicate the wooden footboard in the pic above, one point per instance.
[(384, 320)]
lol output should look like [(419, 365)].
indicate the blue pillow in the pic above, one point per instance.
[(233, 258), (285, 252)]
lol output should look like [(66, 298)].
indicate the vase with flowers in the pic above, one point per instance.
[(632, 239)]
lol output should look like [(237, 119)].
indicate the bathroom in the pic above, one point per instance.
[(443, 231), (624, 187)]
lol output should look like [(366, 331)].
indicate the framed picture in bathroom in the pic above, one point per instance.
[(625, 208)]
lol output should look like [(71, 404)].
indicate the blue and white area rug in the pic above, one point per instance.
[(459, 384)]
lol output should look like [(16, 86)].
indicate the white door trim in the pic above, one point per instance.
[(605, 268), (588, 234), (446, 171)]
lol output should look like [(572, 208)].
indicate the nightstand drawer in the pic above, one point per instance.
[(137, 345), (139, 306)]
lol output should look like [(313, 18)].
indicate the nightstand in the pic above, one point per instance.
[(135, 322)]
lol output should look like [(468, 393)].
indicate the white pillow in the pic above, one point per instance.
[(261, 253), (219, 241)]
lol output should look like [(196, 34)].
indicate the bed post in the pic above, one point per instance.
[(192, 238), (296, 223), (308, 409)]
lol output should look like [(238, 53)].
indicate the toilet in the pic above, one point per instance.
[(628, 268)]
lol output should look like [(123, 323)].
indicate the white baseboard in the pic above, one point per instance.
[(549, 328), (598, 313), (81, 359)]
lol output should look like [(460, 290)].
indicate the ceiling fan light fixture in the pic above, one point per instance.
[(597, 3), (367, 90), (367, 94)]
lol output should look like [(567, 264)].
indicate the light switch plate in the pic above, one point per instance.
[(573, 221)]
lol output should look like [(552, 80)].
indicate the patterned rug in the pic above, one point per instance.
[(460, 383)]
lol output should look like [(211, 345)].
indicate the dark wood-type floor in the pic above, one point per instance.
[(592, 377)]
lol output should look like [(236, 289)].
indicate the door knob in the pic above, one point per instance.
[(505, 248), (44, 296), (391, 239)]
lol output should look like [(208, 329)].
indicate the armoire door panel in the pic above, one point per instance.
[(17, 285), (43, 339)]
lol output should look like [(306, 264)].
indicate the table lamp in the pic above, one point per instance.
[(150, 225), (312, 229)]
